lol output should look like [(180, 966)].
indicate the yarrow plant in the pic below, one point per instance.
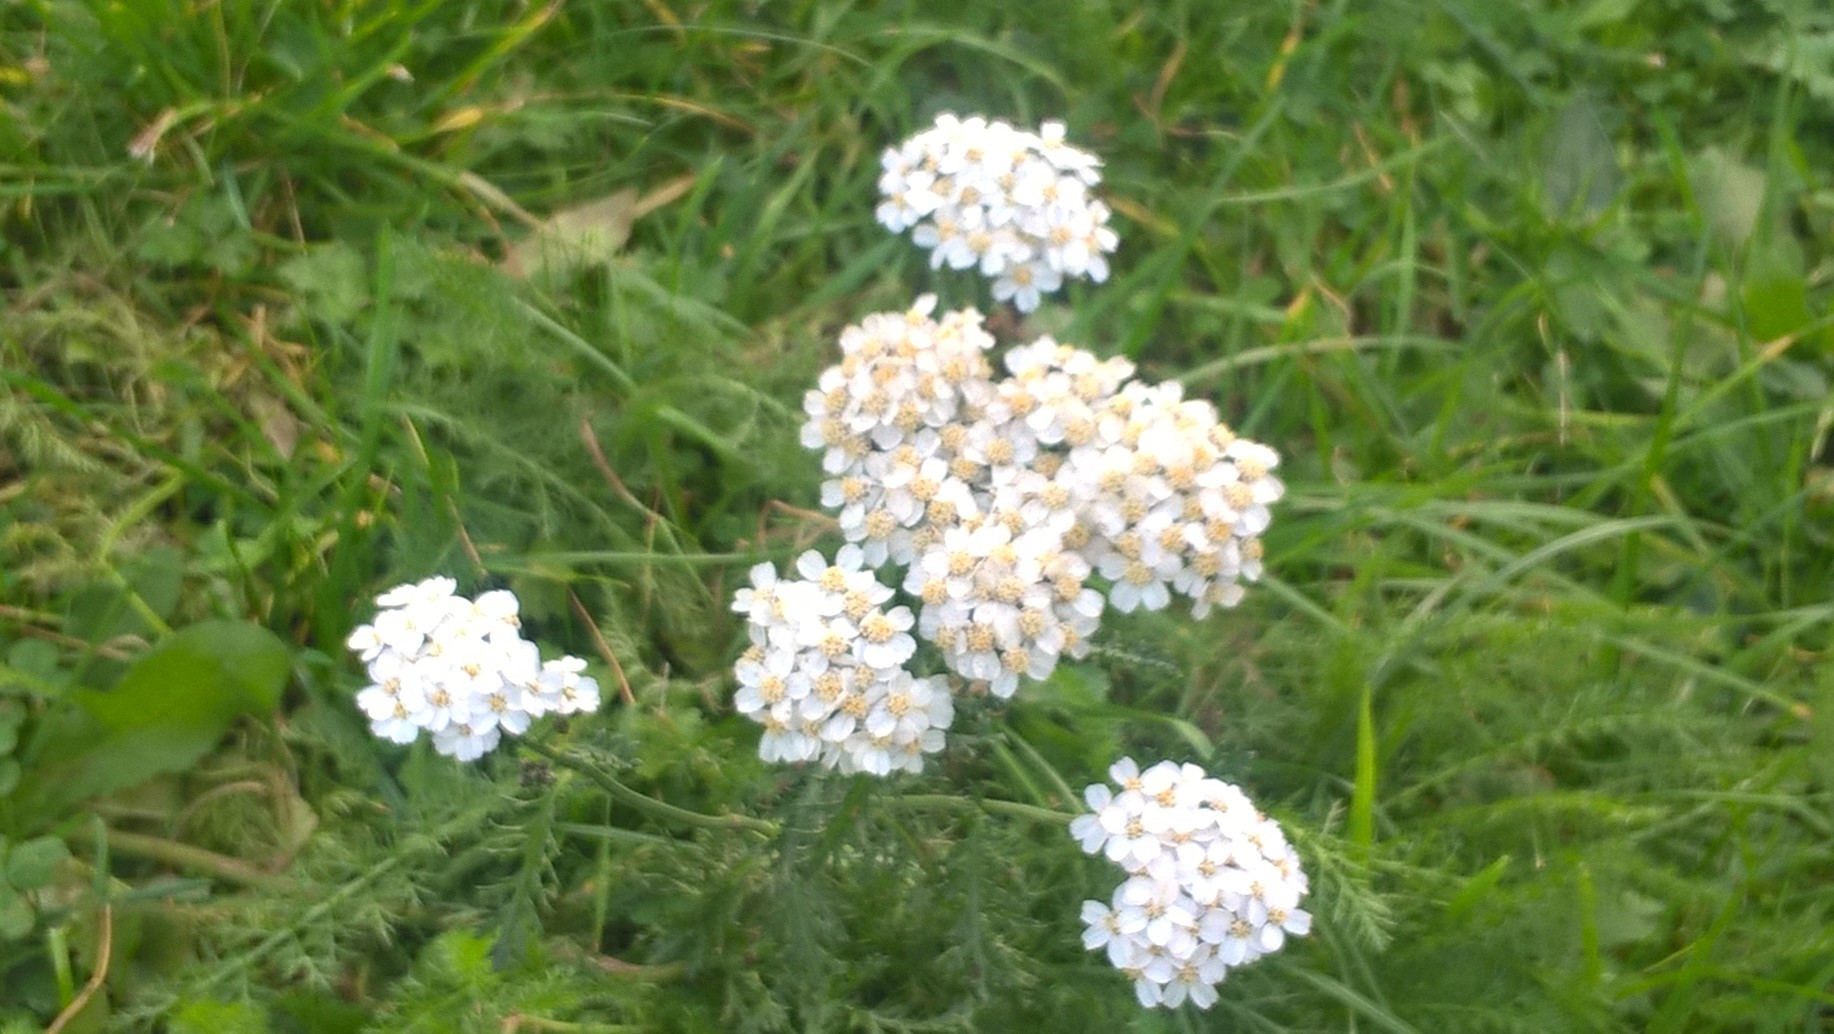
[(1211, 882), (1018, 509), (1010, 203), (460, 670)]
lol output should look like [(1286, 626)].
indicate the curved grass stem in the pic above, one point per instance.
[(650, 805), (1011, 809)]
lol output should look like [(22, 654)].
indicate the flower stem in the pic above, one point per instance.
[(644, 802)]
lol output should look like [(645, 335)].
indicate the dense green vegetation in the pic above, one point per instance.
[(307, 299)]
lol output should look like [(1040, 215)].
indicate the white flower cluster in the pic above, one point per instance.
[(825, 672), (1011, 203), (460, 670), (1211, 882), (1001, 500)]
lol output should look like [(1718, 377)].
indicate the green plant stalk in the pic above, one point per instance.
[(57, 949), (1624, 584), (1011, 809), (135, 513), (1039, 761), (1363, 792), (645, 803), (1358, 1003), (625, 382), (185, 856), (1588, 927), (1011, 763)]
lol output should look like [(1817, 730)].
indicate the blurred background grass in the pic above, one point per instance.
[(304, 299)]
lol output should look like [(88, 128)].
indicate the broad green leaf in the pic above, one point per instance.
[(1730, 193), (1579, 169), (158, 575), (170, 709), (106, 609), (1776, 291), (33, 864), (100, 611), (34, 659), (202, 677), (15, 914), (1627, 918), (1807, 58)]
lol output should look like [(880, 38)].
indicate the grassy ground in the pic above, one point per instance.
[(306, 299)]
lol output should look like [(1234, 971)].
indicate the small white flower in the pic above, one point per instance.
[(431, 591), (565, 689), (1087, 828), (391, 711), (1104, 931), (1026, 284), (885, 638), (366, 642), (467, 742), (772, 685), (496, 613)]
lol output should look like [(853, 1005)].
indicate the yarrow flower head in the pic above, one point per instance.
[(825, 674), (1002, 500), (460, 670), (1211, 882), (1011, 203)]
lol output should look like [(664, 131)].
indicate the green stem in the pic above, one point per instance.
[(1038, 760), (57, 947), (644, 802), (1363, 790), (196, 859), (1012, 809)]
